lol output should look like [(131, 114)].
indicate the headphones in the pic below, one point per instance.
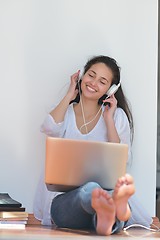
[(112, 90)]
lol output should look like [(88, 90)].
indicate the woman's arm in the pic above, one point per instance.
[(58, 113)]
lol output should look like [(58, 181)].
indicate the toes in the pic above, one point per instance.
[(104, 193), (129, 179), (99, 192)]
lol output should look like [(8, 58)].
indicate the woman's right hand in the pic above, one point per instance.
[(72, 91)]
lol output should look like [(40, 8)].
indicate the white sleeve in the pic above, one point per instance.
[(123, 129), (42, 202), (51, 128), (122, 126)]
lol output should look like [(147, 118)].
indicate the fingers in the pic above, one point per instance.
[(75, 77), (112, 100)]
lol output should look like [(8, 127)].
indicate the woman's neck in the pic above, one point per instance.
[(87, 114), (89, 107)]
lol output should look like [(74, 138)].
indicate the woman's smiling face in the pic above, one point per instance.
[(96, 81)]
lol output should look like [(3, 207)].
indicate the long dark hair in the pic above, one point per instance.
[(122, 102)]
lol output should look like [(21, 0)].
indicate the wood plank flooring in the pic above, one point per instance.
[(36, 232)]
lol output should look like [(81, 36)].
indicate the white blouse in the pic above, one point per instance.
[(68, 128)]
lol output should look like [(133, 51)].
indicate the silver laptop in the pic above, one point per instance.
[(71, 163)]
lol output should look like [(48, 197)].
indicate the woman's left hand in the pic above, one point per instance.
[(109, 110)]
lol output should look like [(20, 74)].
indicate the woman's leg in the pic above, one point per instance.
[(73, 209)]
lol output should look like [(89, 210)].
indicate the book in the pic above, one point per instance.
[(7, 215), (12, 226), (13, 221), (7, 201), (12, 209)]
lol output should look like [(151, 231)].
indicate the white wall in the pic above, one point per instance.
[(42, 43)]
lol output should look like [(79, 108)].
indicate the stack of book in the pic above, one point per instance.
[(12, 214)]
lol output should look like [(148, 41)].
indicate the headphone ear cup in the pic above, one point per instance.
[(113, 89), (80, 75)]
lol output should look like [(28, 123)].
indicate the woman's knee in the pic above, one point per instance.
[(89, 187), (85, 196)]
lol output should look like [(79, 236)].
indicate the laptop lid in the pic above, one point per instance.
[(71, 163)]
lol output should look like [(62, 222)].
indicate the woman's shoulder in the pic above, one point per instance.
[(69, 116), (120, 112), (70, 111), (120, 115), (71, 107)]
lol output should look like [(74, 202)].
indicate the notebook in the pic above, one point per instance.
[(71, 163)]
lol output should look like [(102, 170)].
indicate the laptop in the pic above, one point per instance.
[(71, 163)]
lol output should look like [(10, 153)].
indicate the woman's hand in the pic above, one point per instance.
[(72, 91), (109, 110)]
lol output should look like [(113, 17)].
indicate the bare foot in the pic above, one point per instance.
[(104, 206), (124, 189)]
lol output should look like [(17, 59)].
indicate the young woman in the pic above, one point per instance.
[(89, 112)]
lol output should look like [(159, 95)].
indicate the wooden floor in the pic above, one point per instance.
[(33, 232)]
